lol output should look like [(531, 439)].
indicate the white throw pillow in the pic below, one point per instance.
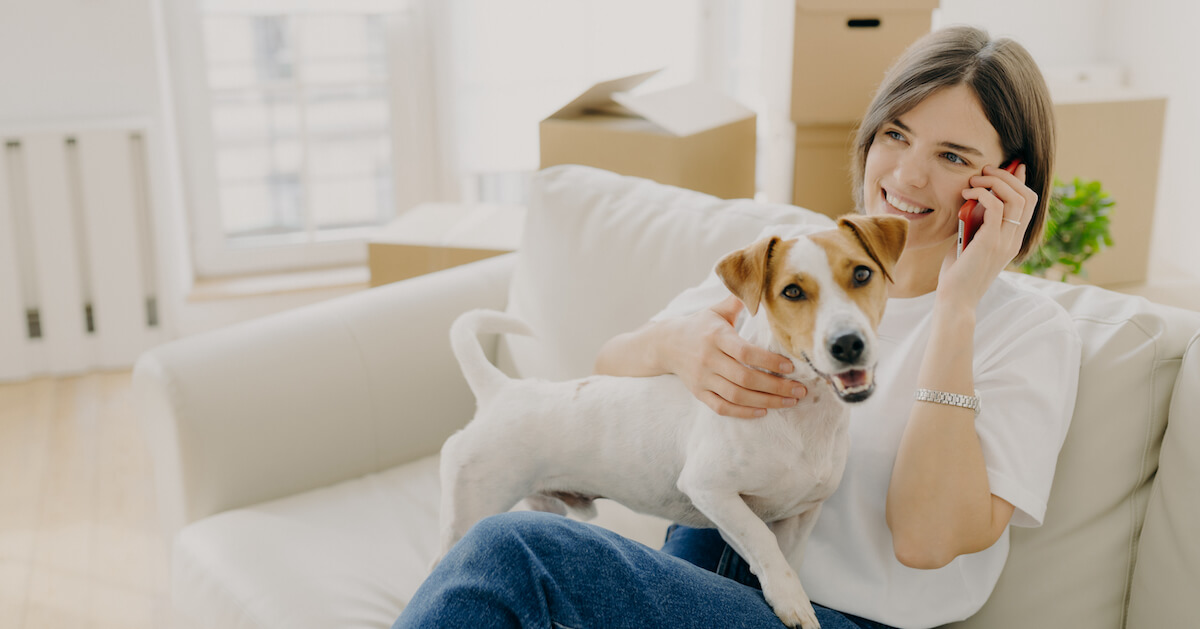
[(602, 253)]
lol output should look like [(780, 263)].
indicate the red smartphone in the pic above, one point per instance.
[(969, 219)]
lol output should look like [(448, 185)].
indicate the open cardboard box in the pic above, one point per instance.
[(691, 136)]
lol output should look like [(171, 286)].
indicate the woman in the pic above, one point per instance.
[(917, 533)]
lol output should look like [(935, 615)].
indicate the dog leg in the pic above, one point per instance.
[(754, 541), (548, 504), (474, 486), (793, 532)]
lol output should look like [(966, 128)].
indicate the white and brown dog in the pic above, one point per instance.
[(650, 445)]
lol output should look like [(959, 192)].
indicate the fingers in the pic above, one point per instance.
[(743, 385), (741, 389), (729, 374), (732, 400), (754, 356), (1018, 198), (721, 406), (1008, 203)]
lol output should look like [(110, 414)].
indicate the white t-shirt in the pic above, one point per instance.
[(1026, 370)]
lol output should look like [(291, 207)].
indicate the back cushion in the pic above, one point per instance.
[(1074, 571), (602, 253)]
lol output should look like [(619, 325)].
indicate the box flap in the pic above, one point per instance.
[(685, 109), (599, 96)]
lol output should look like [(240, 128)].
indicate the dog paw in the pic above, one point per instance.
[(792, 606), (801, 616)]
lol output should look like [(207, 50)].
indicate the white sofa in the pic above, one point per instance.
[(295, 456)]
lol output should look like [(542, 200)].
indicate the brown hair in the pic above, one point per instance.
[(1010, 89)]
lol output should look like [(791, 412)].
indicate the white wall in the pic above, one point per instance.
[(1056, 32), (1156, 39), (73, 59)]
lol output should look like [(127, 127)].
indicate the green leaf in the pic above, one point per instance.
[(1077, 227)]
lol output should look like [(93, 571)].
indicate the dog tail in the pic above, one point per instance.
[(483, 377)]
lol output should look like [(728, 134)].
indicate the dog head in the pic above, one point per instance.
[(823, 294)]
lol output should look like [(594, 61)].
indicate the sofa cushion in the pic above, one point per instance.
[(602, 253), (348, 556), (1074, 571)]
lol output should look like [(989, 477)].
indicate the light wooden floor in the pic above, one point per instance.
[(79, 540)]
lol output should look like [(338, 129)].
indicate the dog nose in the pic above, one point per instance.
[(847, 347)]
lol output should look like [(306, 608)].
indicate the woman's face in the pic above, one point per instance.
[(919, 164)]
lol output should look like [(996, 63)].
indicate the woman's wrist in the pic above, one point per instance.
[(637, 353), (658, 342), (951, 347), (954, 307)]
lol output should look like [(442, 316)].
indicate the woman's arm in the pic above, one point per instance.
[(939, 503), (719, 367)]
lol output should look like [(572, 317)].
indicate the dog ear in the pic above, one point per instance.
[(745, 271), (882, 236)]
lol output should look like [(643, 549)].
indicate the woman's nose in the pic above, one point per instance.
[(910, 170)]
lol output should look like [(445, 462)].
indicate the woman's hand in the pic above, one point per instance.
[(1008, 207), (723, 370)]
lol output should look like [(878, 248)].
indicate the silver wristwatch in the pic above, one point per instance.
[(950, 399)]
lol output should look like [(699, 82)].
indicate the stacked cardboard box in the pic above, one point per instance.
[(435, 236), (841, 50), (690, 136), (1114, 137)]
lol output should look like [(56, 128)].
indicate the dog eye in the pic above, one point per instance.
[(792, 292), (862, 275)]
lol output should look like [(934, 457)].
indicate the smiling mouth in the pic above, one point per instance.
[(853, 385), (904, 207)]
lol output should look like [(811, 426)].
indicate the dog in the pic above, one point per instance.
[(649, 444)]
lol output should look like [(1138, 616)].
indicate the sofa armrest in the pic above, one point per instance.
[(309, 397), (1168, 553)]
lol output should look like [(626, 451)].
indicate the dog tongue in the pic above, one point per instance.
[(852, 379)]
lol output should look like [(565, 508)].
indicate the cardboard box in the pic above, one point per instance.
[(822, 169), (435, 236), (1114, 137), (841, 51), (690, 136)]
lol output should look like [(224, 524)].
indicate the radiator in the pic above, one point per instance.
[(78, 279)]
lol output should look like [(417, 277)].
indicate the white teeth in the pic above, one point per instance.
[(902, 206)]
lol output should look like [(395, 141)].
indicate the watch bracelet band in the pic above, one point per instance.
[(949, 399)]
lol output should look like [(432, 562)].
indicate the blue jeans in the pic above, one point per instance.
[(530, 569)]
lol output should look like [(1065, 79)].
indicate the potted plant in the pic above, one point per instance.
[(1076, 229)]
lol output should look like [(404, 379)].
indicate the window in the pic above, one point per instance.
[(290, 136), (300, 120)]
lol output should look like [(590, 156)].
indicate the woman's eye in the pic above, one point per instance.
[(895, 135), (955, 158), (793, 292), (862, 275)]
